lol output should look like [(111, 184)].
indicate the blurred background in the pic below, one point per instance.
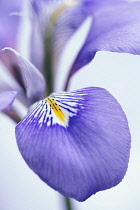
[(20, 188)]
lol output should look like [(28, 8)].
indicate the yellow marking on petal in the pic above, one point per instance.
[(56, 109)]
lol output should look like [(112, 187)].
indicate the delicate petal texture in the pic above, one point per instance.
[(30, 79), (6, 99), (116, 28), (9, 23), (77, 142)]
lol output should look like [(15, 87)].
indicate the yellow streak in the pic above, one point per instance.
[(56, 109), (61, 8)]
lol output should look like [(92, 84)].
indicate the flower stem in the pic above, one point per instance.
[(13, 115), (47, 65), (68, 203)]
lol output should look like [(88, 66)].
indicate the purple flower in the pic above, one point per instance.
[(77, 142)]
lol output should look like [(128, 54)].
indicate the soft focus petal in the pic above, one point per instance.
[(67, 24), (63, 14), (38, 4), (41, 12), (29, 78), (116, 28), (9, 24), (6, 99), (77, 142)]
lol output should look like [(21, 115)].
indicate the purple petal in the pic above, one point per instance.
[(77, 142), (9, 23), (115, 28), (28, 77), (6, 99)]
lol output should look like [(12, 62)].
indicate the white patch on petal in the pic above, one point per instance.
[(56, 109)]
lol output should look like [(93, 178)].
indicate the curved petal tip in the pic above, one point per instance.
[(25, 73)]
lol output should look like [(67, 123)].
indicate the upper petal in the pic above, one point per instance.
[(25, 73), (115, 28), (6, 99), (77, 142), (64, 26), (9, 23)]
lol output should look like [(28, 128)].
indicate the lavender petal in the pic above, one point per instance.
[(115, 28), (6, 99), (25, 73), (77, 142)]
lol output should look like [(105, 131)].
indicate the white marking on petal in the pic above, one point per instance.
[(56, 109)]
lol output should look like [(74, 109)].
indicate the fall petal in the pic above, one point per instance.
[(77, 142)]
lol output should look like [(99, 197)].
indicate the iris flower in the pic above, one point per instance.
[(77, 142)]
